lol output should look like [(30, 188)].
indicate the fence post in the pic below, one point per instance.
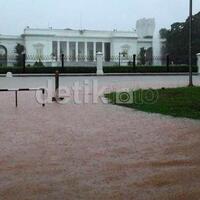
[(16, 102), (24, 61), (198, 62), (134, 60), (99, 56), (62, 59), (56, 93), (56, 82), (43, 93), (168, 61), (57, 97)]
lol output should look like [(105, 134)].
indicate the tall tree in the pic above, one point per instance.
[(142, 56), (177, 40), (19, 49)]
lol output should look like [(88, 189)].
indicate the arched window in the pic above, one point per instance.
[(3, 56)]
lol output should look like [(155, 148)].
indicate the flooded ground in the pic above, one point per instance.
[(96, 151), (107, 81)]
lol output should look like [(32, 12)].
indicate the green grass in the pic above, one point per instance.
[(176, 102)]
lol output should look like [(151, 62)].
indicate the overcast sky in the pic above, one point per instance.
[(15, 15)]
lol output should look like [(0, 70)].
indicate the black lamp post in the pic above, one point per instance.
[(119, 59), (190, 45)]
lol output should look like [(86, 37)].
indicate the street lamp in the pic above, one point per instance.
[(190, 45)]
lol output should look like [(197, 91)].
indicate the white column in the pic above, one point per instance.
[(58, 53), (99, 63), (111, 52), (94, 51), (76, 51), (198, 62), (67, 51), (103, 50), (85, 52)]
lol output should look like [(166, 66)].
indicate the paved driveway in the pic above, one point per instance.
[(95, 151)]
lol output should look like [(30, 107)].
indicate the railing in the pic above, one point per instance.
[(119, 60), (23, 90)]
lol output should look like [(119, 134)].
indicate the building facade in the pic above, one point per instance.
[(79, 47)]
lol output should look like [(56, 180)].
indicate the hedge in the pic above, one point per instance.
[(148, 69), (47, 70), (84, 70)]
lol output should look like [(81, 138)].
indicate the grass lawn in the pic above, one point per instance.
[(177, 102)]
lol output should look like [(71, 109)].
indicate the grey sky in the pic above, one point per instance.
[(94, 14)]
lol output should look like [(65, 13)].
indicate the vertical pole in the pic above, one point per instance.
[(85, 52), (43, 92), (62, 59), (24, 62), (58, 51), (68, 51), (103, 51), (119, 59), (76, 53), (134, 60), (16, 101), (94, 51), (190, 45), (57, 83)]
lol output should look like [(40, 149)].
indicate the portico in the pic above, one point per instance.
[(79, 50)]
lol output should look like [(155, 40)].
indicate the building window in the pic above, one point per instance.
[(99, 47), (107, 52), (72, 51), (81, 51), (55, 49), (90, 50), (63, 48)]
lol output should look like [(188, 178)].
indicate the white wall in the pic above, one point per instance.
[(119, 44), (45, 37), (31, 41), (10, 43)]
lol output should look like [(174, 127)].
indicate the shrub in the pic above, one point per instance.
[(148, 69), (38, 64), (84, 70)]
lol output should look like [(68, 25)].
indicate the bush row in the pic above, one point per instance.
[(116, 69), (47, 70), (148, 69)]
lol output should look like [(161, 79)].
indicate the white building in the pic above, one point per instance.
[(78, 46)]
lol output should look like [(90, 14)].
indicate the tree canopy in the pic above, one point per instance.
[(177, 40), (19, 49)]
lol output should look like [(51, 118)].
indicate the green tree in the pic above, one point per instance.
[(142, 56), (19, 49), (177, 40), (163, 33), (149, 56)]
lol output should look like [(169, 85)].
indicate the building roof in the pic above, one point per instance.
[(10, 37), (79, 33)]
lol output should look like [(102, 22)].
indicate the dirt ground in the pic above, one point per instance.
[(95, 151)]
